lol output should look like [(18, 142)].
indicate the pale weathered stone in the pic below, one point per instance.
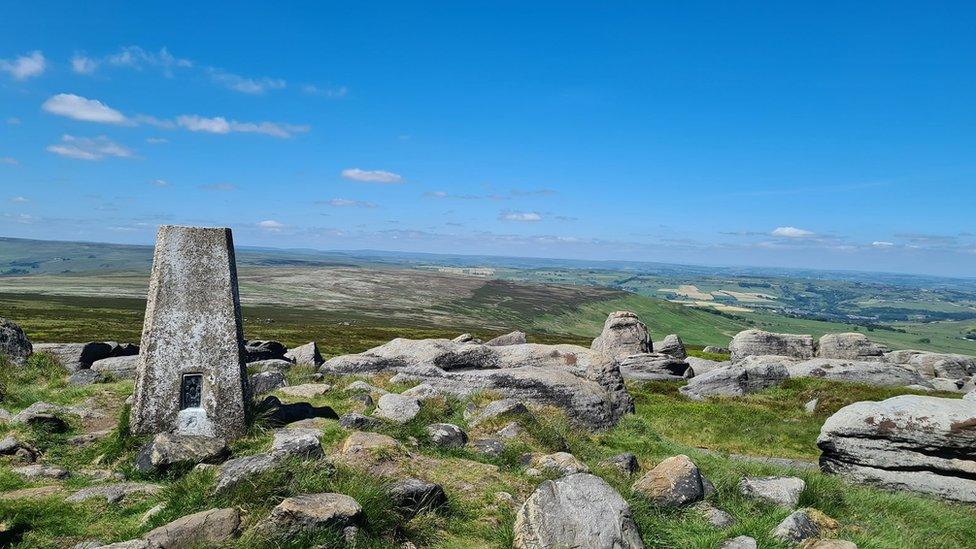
[(114, 493), (204, 529), (310, 512), (446, 435), (740, 542), (168, 450), (508, 407), (715, 516), (37, 471), (397, 408), (700, 366), (117, 367), (736, 380), (804, 524), (653, 367), (623, 335), (868, 372), (851, 345), (193, 327), (672, 345), (782, 491), (13, 342), (306, 355), (674, 482), (297, 442), (579, 510), (233, 472), (760, 343), (265, 382), (306, 390), (562, 463), (513, 338)]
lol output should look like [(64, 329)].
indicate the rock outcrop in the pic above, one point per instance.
[(13, 342), (760, 343), (307, 354), (673, 346), (736, 380), (579, 510), (512, 338), (917, 443), (870, 372), (623, 335), (851, 345), (653, 367), (259, 349), (79, 356)]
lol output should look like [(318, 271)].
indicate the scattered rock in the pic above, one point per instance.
[(715, 516), (277, 414), (804, 524), (85, 377), (508, 407), (307, 355), (267, 381), (760, 343), (42, 415), (101, 475), (626, 463), (712, 349), (917, 443), (810, 407), (34, 472), (305, 443), (363, 398), (306, 390), (735, 380), (258, 350), (117, 367), (827, 544), (14, 343), (310, 512), (357, 421), (851, 345), (509, 431), (270, 365), (488, 447), (362, 386), (422, 392), (674, 482), (76, 356), (361, 442), (512, 338), (672, 345), (168, 450), (203, 529), (782, 491), (623, 335), (653, 367), (466, 338), (562, 463), (876, 373), (740, 542), (700, 366), (31, 493), (114, 493), (446, 435), (579, 510), (414, 496), (397, 408), (233, 472)]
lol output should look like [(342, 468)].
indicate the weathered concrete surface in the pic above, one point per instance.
[(193, 326)]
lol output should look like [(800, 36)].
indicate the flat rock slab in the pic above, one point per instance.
[(167, 450), (306, 390), (34, 472), (310, 512), (204, 529), (782, 491), (760, 343), (114, 493), (915, 443), (32, 493)]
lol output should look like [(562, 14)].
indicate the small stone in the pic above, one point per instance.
[(488, 447), (509, 431), (34, 472), (446, 435), (152, 512), (310, 512), (626, 463), (204, 529), (804, 524), (511, 338), (422, 392), (715, 516), (827, 544), (365, 442), (500, 408), (562, 463), (85, 377), (168, 450), (306, 355), (741, 542), (782, 491), (353, 420), (414, 495), (811, 406), (265, 382), (297, 442), (306, 390), (397, 408), (674, 482), (114, 493), (363, 399), (360, 386)]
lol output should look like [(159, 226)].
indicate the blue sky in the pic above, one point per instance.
[(831, 135)]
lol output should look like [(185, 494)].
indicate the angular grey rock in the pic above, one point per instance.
[(353, 420), (700, 366), (915, 443), (204, 529), (716, 350), (562, 463), (674, 482), (397, 408), (623, 335), (872, 372), (233, 472), (510, 430), (265, 382), (414, 496), (512, 338), (446, 435), (759, 343), (77, 356), (305, 355), (310, 512), (943, 365), (43, 415), (466, 338), (715, 516), (626, 463), (168, 450), (672, 345), (488, 447), (507, 407), (802, 525), (304, 443), (270, 365), (735, 380), (192, 341), (117, 367), (811, 406), (11, 446), (85, 377), (424, 391), (579, 510), (14, 343), (362, 386), (740, 542), (114, 493), (653, 367), (260, 350), (782, 491), (851, 345), (131, 544), (306, 390), (34, 472), (949, 385)]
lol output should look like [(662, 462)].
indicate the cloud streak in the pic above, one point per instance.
[(372, 176), (80, 108), (25, 66), (85, 148)]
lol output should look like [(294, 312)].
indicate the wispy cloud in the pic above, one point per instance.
[(792, 232), (85, 148), (19, 199), (253, 86), (159, 183), (9, 160), (25, 66), (882, 244), (221, 125), (347, 203), (82, 64), (330, 92), (523, 217), (371, 176), (156, 140), (137, 58), (222, 187), (512, 194), (271, 225), (84, 109)]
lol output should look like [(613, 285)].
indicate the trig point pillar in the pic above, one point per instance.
[(191, 375)]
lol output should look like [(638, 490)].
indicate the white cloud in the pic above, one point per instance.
[(221, 125), (138, 58), (371, 176), (156, 140), (25, 66), (81, 108), (271, 225), (254, 86), (84, 148), (160, 183), (83, 64), (331, 92), (526, 217), (882, 244), (346, 203), (19, 199), (792, 232), (8, 160)]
